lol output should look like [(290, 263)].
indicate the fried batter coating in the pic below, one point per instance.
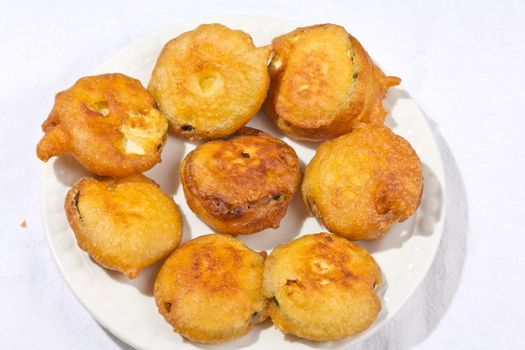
[(210, 81), (362, 183), (124, 224), (210, 289), (322, 287), (322, 83), (242, 184), (109, 123)]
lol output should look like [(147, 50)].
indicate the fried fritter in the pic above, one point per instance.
[(322, 287), (210, 81), (242, 184), (210, 289), (362, 183), (109, 123), (322, 83), (124, 224)]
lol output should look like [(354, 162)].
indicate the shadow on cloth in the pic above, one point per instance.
[(117, 341)]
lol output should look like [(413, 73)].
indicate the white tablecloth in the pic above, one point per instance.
[(463, 62)]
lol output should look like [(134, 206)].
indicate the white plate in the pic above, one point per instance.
[(127, 308)]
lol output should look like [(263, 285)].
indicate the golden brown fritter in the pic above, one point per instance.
[(242, 184), (210, 81), (109, 123), (124, 224), (362, 183), (322, 83), (210, 289), (322, 287)]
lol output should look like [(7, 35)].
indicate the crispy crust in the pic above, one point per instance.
[(242, 184), (322, 287), (210, 289), (123, 224), (322, 83), (362, 183), (210, 81), (109, 123)]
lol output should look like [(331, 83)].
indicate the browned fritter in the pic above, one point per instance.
[(322, 287), (210, 81), (242, 184), (124, 224), (322, 83), (362, 183), (109, 123), (210, 289)]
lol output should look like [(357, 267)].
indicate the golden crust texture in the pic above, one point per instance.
[(362, 183), (109, 123), (242, 184), (124, 224), (322, 287), (210, 81), (210, 289), (322, 83)]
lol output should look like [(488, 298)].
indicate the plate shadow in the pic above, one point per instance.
[(289, 228), (68, 170), (144, 281), (421, 223)]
